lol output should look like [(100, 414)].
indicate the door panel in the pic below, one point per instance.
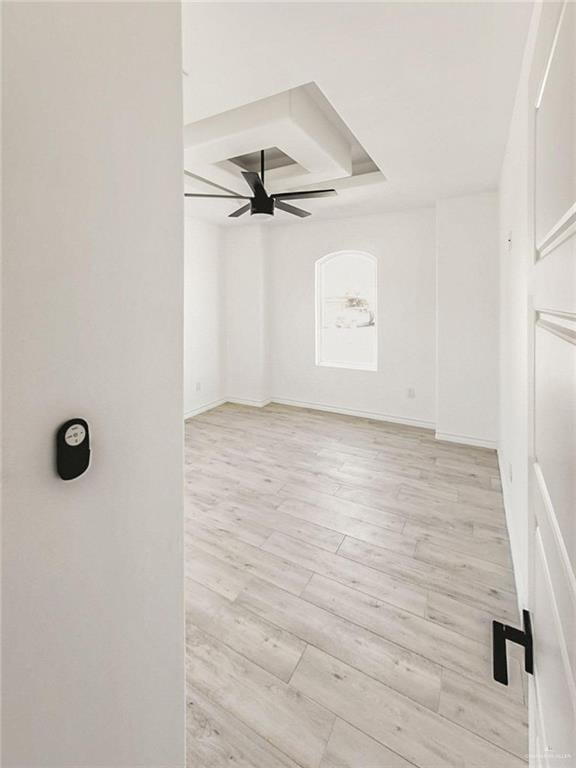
[(553, 386), (552, 287), (559, 574), (555, 422), (554, 694), (555, 125)]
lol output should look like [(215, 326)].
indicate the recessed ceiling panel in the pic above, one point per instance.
[(427, 88), (275, 158), (306, 143)]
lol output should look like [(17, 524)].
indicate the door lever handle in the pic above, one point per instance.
[(503, 632)]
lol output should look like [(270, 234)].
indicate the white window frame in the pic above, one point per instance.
[(318, 296)]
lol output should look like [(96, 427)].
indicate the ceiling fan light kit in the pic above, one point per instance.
[(262, 205)]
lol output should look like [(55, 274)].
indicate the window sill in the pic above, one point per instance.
[(348, 366)]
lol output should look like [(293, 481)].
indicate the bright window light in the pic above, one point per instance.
[(346, 311)]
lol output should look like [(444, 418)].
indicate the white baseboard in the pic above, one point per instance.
[(246, 401), (376, 416), (355, 412), (475, 442), (205, 407), (512, 531), (215, 403)]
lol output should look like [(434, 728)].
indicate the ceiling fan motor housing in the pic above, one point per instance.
[(262, 204)]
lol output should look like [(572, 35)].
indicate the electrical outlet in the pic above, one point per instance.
[(198, 386), (411, 393)]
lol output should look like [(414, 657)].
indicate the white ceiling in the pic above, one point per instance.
[(427, 88)]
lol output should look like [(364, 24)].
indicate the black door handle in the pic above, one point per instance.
[(501, 633)]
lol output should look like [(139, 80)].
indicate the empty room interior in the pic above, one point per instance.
[(289, 385), (355, 399)]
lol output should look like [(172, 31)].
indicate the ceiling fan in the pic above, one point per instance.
[(263, 204)]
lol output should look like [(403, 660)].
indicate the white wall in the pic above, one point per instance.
[(1, 381), (246, 317), (203, 307), (92, 326), (438, 296), (467, 319), (403, 243), (513, 447), (515, 259)]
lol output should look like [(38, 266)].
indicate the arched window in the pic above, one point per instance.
[(346, 307)]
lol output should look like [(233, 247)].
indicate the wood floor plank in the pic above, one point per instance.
[(411, 456), (204, 490), (209, 521), (458, 511), (266, 565), (341, 452), (360, 478), (414, 732), (383, 517), (432, 516), (342, 576), (212, 572), (481, 710), (465, 463), (497, 552), (277, 712), (244, 473), (299, 527), (355, 458), (490, 532), (459, 452), (451, 650), (266, 644), (261, 502), (481, 497), (368, 497), (346, 571), (465, 566), (460, 617), (423, 574), (411, 674), (350, 748), (313, 481), (428, 490), (217, 739), (350, 526), (474, 478)]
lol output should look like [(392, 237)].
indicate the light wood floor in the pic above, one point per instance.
[(342, 575)]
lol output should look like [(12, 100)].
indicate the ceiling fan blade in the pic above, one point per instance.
[(240, 211), (228, 197), (303, 195), (292, 209), (209, 183), (254, 182)]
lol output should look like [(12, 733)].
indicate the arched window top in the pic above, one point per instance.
[(340, 254), (346, 308)]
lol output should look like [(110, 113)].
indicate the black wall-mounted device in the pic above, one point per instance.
[(503, 632), (72, 448)]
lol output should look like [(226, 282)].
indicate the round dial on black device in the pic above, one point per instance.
[(72, 448)]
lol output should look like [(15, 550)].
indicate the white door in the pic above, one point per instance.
[(552, 590)]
